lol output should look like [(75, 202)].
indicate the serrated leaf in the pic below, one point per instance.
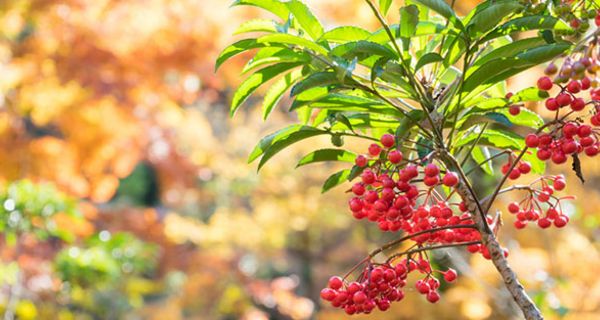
[(288, 39), (324, 155), (345, 34), (431, 57), (277, 90), (335, 180), (257, 25), (305, 18), (235, 49), (274, 6), (256, 80)]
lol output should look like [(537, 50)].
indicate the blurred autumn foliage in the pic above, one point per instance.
[(115, 138)]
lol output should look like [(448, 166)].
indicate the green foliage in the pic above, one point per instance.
[(430, 64)]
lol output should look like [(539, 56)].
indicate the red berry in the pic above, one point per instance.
[(359, 297), (335, 283), (552, 104), (514, 174), (586, 83), (361, 161), (395, 156), (374, 149), (450, 179), (450, 275), (559, 184), (388, 140), (578, 104), (561, 221), (591, 151), (358, 189), (422, 287), (574, 86), (525, 167), (570, 129), (328, 294), (584, 131), (564, 99), (513, 207), (514, 110), (433, 296), (532, 140), (559, 157), (544, 83), (544, 223), (432, 170)]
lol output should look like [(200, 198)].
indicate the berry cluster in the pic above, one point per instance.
[(521, 168), (541, 194), (577, 14), (568, 134), (401, 195), (380, 285)]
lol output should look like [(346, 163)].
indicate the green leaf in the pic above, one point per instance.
[(256, 80), (335, 180), (275, 142), (319, 79), (277, 90), (276, 7), (235, 49), (537, 166), (525, 118), (428, 58), (481, 154), (362, 50), (324, 155), (511, 49), (257, 25), (527, 23), (288, 39), (487, 18), (502, 68), (345, 34), (531, 94), (409, 19), (343, 102), (305, 18), (273, 55), (501, 139), (384, 6), (443, 9)]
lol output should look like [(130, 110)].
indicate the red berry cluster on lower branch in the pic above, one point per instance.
[(540, 204), (378, 286)]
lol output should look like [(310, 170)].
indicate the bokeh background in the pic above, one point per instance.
[(125, 192)]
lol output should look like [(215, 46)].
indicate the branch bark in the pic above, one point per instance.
[(488, 239)]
